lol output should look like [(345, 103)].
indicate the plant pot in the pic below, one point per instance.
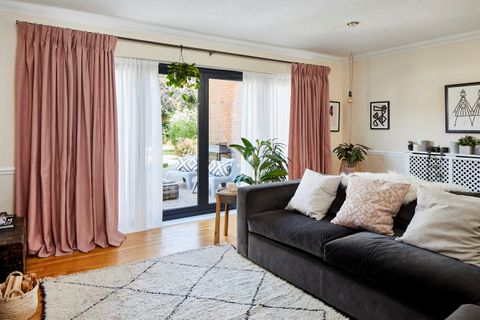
[(465, 149), (454, 147), (477, 149), (346, 168)]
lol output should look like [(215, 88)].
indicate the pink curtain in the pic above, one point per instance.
[(66, 139), (309, 142)]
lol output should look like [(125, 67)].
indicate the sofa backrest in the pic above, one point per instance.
[(401, 220)]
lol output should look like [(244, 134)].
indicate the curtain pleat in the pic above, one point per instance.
[(66, 138), (309, 141)]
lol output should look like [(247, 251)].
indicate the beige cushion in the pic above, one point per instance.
[(315, 194), (446, 223), (371, 204)]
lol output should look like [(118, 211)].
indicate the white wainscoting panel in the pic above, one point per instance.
[(7, 170), (383, 161), (7, 183)]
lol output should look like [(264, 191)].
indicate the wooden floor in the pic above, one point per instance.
[(137, 247)]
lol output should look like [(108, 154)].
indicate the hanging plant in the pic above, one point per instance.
[(182, 75)]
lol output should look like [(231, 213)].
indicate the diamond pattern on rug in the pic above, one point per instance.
[(58, 291), (274, 293), (124, 305), (197, 257), (209, 283), (159, 278), (233, 260), (210, 287), (123, 275), (210, 309)]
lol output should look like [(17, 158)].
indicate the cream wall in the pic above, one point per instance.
[(131, 49), (414, 83)]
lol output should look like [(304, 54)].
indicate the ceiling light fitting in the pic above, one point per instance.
[(353, 23)]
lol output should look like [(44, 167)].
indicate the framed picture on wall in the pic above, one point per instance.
[(334, 116), (380, 115), (462, 108)]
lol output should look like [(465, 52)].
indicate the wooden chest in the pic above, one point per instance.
[(12, 249)]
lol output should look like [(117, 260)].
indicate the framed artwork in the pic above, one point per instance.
[(334, 116), (380, 115), (462, 108)]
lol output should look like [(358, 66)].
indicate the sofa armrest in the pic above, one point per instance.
[(466, 312), (260, 198)]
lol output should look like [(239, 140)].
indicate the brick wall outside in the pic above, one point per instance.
[(225, 112)]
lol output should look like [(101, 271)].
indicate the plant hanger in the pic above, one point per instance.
[(182, 75)]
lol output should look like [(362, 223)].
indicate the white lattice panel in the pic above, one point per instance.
[(461, 170), (432, 168), (466, 172)]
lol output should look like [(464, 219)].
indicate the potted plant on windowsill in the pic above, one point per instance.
[(267, 160), (351, 155), (477, 147), (466, 144)]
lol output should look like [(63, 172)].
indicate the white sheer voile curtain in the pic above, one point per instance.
[(139, 144), (265, 109)]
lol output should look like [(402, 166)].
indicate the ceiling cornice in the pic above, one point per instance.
[(462, 37), (97, 20)]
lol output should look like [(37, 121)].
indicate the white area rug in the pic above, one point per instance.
[(210, 283)]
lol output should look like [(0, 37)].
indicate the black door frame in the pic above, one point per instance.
[(203, 206)]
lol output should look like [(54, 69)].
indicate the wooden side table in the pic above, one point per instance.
[(12, 248), (227, 197)]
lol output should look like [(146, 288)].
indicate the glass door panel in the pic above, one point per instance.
[(180, 146), (198, 125), (224, 127)]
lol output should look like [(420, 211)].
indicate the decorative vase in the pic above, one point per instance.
[(465, 149), (416, 147), (454, 147)]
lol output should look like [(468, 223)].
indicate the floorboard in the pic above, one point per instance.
[(137, 247)]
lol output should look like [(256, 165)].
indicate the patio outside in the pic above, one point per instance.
[(180, 138)]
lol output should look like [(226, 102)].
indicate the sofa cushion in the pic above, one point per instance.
[(315, 194), (297, 230), (371, 204), (446, 223), (431, 281)]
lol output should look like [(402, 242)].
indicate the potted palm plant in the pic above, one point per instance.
[(466, 143), (267, 159), (351, 155)]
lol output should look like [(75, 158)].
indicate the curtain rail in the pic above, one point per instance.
[(209, 51)]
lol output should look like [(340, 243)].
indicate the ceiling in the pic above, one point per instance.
[(313, 25)]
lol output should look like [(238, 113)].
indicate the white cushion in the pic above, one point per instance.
[(446, 223), (315, 194)]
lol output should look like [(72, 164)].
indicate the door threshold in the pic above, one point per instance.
[(207, 216)]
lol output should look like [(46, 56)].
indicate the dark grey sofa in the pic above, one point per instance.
[(362, 274)]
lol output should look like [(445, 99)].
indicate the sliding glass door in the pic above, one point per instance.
[(198, 125)]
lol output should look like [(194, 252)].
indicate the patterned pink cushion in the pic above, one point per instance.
[(371, 205)]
